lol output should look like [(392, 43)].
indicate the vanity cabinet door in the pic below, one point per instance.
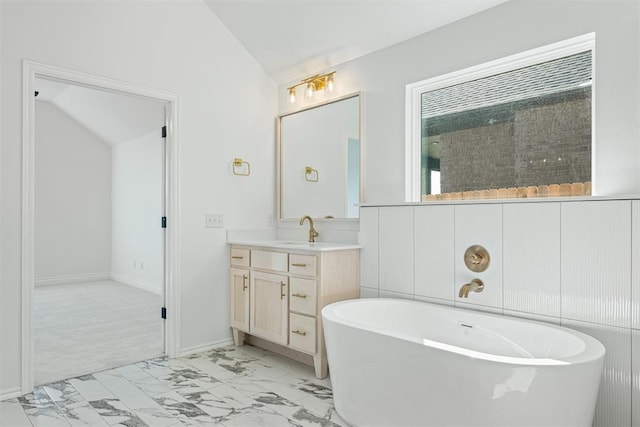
[(239, 303), (270, 306)]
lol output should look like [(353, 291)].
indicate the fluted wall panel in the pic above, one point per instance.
[(369, 253), (395, 240), (635, 378), (479, 225), (635, 266), (596, 262), (434, 251), (532, 258), (614, 399)]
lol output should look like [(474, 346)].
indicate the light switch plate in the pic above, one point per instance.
[(213, 220)]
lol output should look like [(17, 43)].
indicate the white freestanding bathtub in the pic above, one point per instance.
[(408, 363)]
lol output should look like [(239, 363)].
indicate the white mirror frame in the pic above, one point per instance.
[(279, 152)]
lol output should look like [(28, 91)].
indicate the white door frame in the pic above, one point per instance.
[(32, 70)]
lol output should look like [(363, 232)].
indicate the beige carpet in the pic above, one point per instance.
[(88, 327)]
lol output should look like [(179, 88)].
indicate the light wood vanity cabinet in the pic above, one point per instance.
[(239, 291), (239, 298), (269, 314), (286, 292)]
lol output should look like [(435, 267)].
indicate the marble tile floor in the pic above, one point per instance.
[(230, 386)]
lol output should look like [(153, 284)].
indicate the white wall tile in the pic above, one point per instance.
[(532, 257), (635, 265), (614, 399), (596, 261), (448, 303), (479, 225), (434, 251), (478, 307), (369, 252), (368, 292), (635, 379), (395, 249), (530, 316), (395, 295)]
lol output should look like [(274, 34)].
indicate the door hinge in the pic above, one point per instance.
[(164, 131), (164, 222), (163, 312)]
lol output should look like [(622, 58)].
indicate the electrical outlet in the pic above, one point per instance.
[(270, 221), (213, 220)]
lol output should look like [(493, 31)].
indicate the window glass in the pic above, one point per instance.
[(521, 133)]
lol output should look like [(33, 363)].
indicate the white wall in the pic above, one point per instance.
[(509, 28), (136, 244), (570, 263), (72, 198), (226, 108)]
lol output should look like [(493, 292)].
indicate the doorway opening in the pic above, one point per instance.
[(99, 191)]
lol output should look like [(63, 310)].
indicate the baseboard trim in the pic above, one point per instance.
[(73, 278), (137, 283), (10, 393), (205, 347)]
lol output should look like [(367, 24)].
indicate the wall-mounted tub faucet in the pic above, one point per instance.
[(312, 231), (476, 285)]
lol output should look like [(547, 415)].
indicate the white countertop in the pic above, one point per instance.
[(296, 245)]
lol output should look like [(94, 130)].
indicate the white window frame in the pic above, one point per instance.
[(414, 91)]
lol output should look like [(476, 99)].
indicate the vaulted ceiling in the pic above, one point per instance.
[(289, 38), (293, 38), (113, 117)]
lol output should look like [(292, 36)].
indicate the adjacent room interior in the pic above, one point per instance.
[(99, 246)]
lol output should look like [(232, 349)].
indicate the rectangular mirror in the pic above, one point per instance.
[(319, 160)]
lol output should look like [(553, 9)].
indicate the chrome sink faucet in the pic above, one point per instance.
[(476, 285), (312, 231)]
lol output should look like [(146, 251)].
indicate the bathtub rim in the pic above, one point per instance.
[(593, 350)]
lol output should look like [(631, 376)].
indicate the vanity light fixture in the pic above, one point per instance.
[(312, 85)]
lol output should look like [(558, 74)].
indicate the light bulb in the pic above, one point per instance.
[(329, 84), (311, 88), (292, 95)]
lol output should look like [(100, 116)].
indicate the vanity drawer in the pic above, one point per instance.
[(302, 295), (267, 260), (302, 264), (302, 332), (240, 257)]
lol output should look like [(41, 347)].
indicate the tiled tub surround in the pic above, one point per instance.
[(571, 263), (224, 387)]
